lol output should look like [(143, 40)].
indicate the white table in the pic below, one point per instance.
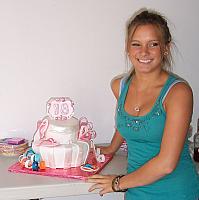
[(26, 186), (14, 186)]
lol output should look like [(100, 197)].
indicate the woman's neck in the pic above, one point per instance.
[(144, 81)]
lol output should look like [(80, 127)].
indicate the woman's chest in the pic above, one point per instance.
[(139, 103), (148, 128)]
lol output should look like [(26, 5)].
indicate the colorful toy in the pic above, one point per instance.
[(32, 160), (89, 168), (35, 166)]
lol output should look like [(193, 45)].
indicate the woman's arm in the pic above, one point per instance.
[(117, 138), (115, 144), (178, 106)]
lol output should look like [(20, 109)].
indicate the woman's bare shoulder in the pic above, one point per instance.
[(115, 86), (180, 94)]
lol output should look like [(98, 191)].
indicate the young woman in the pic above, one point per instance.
[(154, 110)]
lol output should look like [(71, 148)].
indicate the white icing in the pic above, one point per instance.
[(68, 151), (63, 156), (75, 150), (63, 131)]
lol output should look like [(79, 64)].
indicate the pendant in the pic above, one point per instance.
[(137, 109)]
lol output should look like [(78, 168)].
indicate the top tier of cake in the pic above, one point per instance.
[(62, 131)]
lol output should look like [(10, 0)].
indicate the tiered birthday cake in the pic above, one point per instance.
[(61, 140), (62, 145)]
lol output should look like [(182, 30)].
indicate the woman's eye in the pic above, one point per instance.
[(153, 44), (135, 44)]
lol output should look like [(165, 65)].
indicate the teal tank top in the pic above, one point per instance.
[(143, 136)]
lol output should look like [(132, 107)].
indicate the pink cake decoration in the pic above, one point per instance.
[(60, 108), (42, 127), (86, 132)]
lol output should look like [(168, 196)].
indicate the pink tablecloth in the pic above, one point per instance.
[(76, 172)]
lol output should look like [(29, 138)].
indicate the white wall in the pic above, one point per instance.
[(74, 48)]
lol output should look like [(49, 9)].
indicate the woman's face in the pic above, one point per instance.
[(146, 49)]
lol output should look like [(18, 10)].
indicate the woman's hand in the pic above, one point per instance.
[(105, 150), (102, 182)]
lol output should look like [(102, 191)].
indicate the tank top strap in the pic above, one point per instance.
[(122, 83), (171, 81), (123, 90)]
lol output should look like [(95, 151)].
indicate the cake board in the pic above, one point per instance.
[(74, 172)]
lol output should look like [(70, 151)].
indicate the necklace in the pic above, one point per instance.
[(137, 108)]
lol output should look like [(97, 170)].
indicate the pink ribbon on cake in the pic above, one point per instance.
[(48, 142), (86, 132)]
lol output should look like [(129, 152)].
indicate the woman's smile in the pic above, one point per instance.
[(144, 61)]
